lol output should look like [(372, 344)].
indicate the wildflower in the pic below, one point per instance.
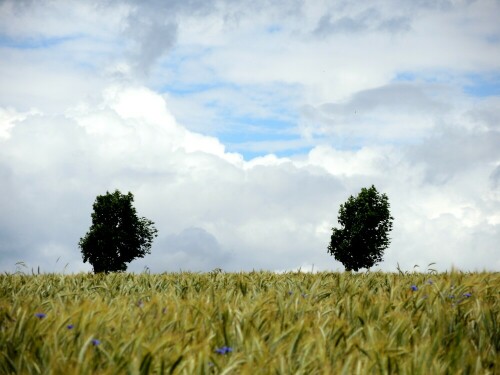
[(414, 288), (70, 326), (224, 350), (467, 295), (40, 315), (452, 296), (95, 342), (430, 282), (290, 293)]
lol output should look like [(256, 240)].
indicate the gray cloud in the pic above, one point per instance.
[(400, 97), (460, 143), (153, 26), (442, 5), (396, 112), (393, 17), (452, 151), (495, 178), (153, 39), (396, 25), (361, 22), (486, 113), (193, 249), (367, 20)]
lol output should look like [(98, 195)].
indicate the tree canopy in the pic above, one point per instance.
[(117, 235), (364, 234)]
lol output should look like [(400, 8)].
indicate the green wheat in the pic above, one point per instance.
[(292, 323)]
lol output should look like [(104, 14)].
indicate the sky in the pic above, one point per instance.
[(241, 126)]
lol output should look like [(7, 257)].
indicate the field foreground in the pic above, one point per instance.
[(250, 323)]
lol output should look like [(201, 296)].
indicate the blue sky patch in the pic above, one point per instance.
[(188, 88), (483, 85), (273, 29), (240, 114), (242, 131), (249, 155), (35, 42)]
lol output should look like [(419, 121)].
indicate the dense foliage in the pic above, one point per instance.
[(250, 323), (364, 234), (117, 235)]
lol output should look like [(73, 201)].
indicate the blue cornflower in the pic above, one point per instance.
[(414, 288), (40, 315), (430, 282), (224, 350), (70, 326), (467, 295), (95, 342)]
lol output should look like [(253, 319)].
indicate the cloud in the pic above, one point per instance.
[(270, 213), (363, 21), (495, 178), (193, 249), (393, 113), (455, 151), (159, 98), (9, 117), (153, 35), (131, 142)]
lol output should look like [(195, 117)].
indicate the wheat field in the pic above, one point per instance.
[(250, 323)]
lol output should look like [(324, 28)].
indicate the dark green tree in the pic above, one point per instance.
[(117, 236), (364, 235)]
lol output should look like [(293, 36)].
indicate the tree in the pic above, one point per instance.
[(366, 223), (117, 236)]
